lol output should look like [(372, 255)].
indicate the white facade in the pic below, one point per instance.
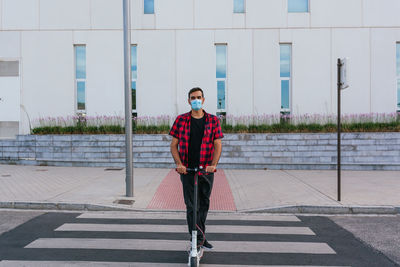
[(176, 51)]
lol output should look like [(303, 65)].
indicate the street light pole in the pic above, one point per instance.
[(339, 87), (342, 83), (128, 98)]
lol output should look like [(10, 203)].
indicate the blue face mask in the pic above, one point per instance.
[(196, 104)]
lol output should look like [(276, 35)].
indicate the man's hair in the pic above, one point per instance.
[(195, 89)]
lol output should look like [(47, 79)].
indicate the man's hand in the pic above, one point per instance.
[(181, 169), (211, 168)]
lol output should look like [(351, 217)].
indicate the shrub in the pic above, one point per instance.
[(307, 123)]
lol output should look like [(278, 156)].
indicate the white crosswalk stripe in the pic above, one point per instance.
[(175, 215), (181, 245), (242, 229)]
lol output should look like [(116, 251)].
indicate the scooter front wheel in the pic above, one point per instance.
[(193, 262)]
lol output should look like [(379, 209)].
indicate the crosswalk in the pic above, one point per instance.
[(161, 239)]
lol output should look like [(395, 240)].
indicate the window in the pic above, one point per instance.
[(285, 73), (134, 75), (398, 74), (80, 77), (221, 77), (298, 6), (238, 6), (148, 6)]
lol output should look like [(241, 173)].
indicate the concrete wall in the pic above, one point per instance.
[(10, 84), (360, 151), (176, 52)]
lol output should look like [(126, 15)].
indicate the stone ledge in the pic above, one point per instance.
[(366, 151)]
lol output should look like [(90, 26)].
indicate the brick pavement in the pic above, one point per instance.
[(169, 195)]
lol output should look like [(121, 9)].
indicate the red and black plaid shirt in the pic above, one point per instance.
[(212, 131)]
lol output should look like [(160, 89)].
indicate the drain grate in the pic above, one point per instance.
[(125, 201), (113, 169)]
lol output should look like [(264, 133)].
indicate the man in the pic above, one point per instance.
[(198, 135)]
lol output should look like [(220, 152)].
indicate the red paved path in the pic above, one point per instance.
[(169, 195)]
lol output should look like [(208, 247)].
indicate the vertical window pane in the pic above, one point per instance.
[(398, 74), (285, 94), (134, 74), (134, 62), (398, 94), (221, 61), (221, 94), (133, 95), (398, 59), (298, 5), (238, 6), (148, 6), (285, 60), (80, 61), (81, 95)]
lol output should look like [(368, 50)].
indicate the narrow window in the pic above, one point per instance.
[(238, 6), (285, 73), (134, 75), (148, 6), (221, 77), (80, 77), (298, 6), (398, 75)]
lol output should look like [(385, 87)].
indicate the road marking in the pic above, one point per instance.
[(237, 229), (210, 216), (182, 245)]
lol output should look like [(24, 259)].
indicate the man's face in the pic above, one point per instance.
[(196, 95)]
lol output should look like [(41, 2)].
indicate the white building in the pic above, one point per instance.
[(54, 52)]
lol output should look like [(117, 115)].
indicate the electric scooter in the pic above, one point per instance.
[(195, 253)]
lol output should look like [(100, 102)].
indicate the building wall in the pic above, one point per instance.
[(176, 52), (311, 67), (156, 72)]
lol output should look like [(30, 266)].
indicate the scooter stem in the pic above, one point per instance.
[(194, 229)]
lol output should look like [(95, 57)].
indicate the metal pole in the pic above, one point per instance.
[(339, 85), (128, 99)]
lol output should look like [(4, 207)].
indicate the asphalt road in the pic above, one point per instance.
[(35, 238), (379, 232)]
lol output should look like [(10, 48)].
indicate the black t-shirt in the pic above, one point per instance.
[(196, 137)]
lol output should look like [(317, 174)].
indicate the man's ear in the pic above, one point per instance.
[(203, 100), (189, 101)]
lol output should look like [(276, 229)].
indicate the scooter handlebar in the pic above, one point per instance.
[(197, 170)]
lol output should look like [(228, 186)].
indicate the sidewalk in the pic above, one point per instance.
[(285, 191)]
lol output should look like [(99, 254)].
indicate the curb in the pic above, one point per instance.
[(301, 209), (61, 206), (355, 210)]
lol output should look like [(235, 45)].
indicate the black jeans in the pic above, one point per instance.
[(205, 183)]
